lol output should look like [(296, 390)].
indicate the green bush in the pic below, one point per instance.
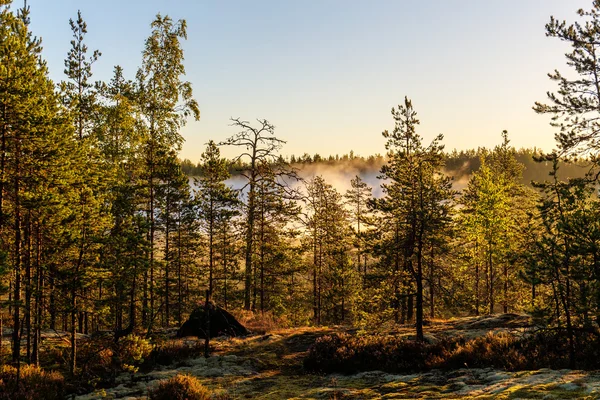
[(133, 351), (100, 360), (34, 384), (180, 387)]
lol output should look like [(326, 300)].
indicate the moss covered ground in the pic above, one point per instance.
[(270, 367)]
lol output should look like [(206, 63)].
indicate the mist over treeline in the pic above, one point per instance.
[(459, 164)]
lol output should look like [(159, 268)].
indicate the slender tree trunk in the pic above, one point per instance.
[(262, 257), (145, 300), (151, 188), (315, 308), (75, 283), (28, 284), (2, 189), (319, 282), (210, 246), (505, 302), (52, 301), (476, 279), (397, 316), (419, 316), (3, 164), (410, 306), (179, 271), (344, 290), (74, 286), (16, 353), (597, 290), (167, 259), (224, 257), (38, 298), (358, 233), (491, 281), (250, 237), (207, 309), (431, 286), (254, 285)]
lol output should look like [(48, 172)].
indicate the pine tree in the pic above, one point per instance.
[(357, 198), (259, 146), (80, 100), (327, 235), (566, 261), (415, 196), (574, 107), (165, 103), (120, 143), (215, 200), (79, 94), (277, 209), (172, 195), (36, 155)]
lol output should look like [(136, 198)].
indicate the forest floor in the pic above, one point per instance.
[(270, 367)]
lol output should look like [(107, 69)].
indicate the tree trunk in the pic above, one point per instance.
[(315, 308), (38, 298), (491, 282), (28, 284), (16, 351), (505, 302), (431, 286), (207, 325), (179, 271), (419, 279), (262, 257), (167, 277), (476, 280)]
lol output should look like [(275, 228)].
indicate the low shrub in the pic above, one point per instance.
[(100, 360), (257, 322), (345, 353), (171, 351), (349, 354), (132, 351), (96, 360), (496, 350), (34, 384), (180, 387)]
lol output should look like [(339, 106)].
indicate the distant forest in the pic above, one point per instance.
[(458, 164)]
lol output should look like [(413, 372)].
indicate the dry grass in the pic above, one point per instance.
[(180, 387), (34, 384), (171, 351), (260, 323), (344, 353)]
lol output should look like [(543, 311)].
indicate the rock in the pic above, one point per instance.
[(222, 323), (570, 386)]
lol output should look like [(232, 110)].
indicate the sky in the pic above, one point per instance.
[(327, 73)]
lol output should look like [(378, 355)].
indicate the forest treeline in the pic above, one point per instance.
[(459, 164), (101, 229)]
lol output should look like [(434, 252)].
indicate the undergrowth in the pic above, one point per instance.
[(259, 323), (33, 384), (101, 360), (180, 387), (183, 387), (344, 353)]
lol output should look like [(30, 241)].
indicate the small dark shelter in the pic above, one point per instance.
[(222, 323)]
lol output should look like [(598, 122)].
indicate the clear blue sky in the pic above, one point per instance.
[(326, 73)]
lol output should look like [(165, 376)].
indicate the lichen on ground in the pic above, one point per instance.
[(270, 367)]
